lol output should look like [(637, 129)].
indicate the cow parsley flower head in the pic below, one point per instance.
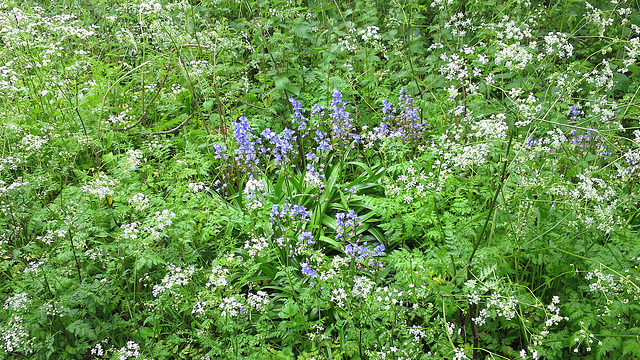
[(131, 350)]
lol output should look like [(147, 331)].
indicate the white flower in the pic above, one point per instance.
[(459, 354), (217, 277), (100, 186), (259, 300), (139, 202), (176, 277), (129, 351)]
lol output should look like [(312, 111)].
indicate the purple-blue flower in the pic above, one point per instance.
[(307, 270)]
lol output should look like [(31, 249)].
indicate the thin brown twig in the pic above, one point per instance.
[(146, 109), (196, 46), (164, 132), (261, 108)]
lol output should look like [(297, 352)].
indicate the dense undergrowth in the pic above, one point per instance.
[(319, 180)]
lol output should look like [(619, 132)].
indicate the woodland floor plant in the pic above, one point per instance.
[(184, 179)]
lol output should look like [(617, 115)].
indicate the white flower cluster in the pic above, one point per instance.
[(603, 108), (197, 187), (601, 78), (149, 7), (474, 298), (508, 29), (14, 337), (441, 4), (458, 24), (551, 142), (528, 108), (598, 17), (493, 128), (313, 181), (534, 354), (164, 219), (514, 56), (417, 332), (370, 33), (130, 231), (199, 68), (33, 267), (602, 282), (455, 67), (17, 302), (259, 301), (469, 155), (583, 336), (139, 202), (131, 350), (120, 119), (177, 276), (97, 350), (459, 354), (411, 185), (504, 307), (31, 142), (558, 43), (633, 52), (253, 186), (199, 308), (10, 162), (388, 297), (33, 29), (553, 313), (318, 333), (362, 287), (254, 246), (218, 277), (348, 43), (338, 296), (8, 79), (50, 236), (100, 186), (231, 306), (133, 159), (13, 186), (593, 189)]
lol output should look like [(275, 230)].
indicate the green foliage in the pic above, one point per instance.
[(169, 190)]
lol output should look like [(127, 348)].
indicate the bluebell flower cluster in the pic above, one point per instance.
[(246, 150), (283, 145), (288, 211), (403, 121), (309, 271), (347, 224), (342, 129), (589, 140), (322, 141), (220, 151), (362, 251), (306, 237), (574, 112), (315, 168), (317, 110), (297, 117)]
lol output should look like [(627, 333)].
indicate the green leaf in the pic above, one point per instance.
[(282, 83), (631, 347), (82, 329), (289, 310), (207, 105), (302, 30)]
